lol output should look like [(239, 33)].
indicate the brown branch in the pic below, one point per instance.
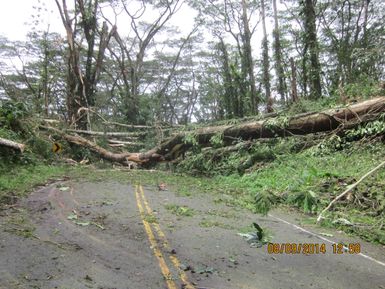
[(349, 189)]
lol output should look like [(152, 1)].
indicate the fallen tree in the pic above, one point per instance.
[(11, 144), (328, 120), (101, 133)]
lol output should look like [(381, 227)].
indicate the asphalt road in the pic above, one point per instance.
[(108, 235)]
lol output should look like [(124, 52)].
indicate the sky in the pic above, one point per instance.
[(16, 20), (17, 16)]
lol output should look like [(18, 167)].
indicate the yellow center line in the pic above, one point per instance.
[(166, 245), (158, 254)]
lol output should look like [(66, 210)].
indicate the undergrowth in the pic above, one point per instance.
[(306, 173)]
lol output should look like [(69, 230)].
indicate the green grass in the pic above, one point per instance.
[(180, 210), (150, 218), (18, 180), (289, 179)]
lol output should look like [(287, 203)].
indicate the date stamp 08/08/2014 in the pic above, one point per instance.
[(313, 248)]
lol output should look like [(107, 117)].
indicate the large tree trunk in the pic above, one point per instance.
[(294, 95), (328, 120), (11, 144), (266, 62), (281, 87), (248, 59), (346, 117), (312, 43)]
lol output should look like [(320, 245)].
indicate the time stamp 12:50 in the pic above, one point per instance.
[(313, 248)]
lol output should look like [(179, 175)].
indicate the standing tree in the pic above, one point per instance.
[(278, 57), (81, 85), (311, 46), (247, 58), (133, 48), (266, 61), (237, 19)]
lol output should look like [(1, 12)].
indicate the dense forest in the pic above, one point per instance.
[(241, 58), (275, 99)]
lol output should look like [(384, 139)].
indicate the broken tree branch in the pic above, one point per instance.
[(123, 158), (351, 187), (308, 123), (303, 124), (123, 143), (102, 133)]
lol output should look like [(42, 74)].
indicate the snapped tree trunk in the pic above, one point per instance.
[(11, 144)]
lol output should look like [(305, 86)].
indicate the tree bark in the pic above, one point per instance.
[(102, 133), (266, 62), (11, 144), (302, 124), (248, 59), (328, 120), (282, 88), (312, 43), (230, 98), (294, 95), (123, 158)]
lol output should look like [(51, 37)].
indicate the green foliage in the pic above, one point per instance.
[(370, 129), (328, 146), (180, 210), (263, 202), (191, 139), (217, 140), (306, 105), (150, 218), (277, 123), (307, 200), (39, 149), (11, 112), (362, 88), (16, 181)]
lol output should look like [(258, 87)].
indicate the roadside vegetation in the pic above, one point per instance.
[(305, 172)]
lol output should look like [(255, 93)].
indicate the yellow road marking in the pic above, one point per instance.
[(166, 245), (158, 254)]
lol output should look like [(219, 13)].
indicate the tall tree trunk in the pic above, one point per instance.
[(278, 55), (248, 59), (294, 96), (45, 74), (266, 62), (312, 43), (365, 24), (229, 95), (81, 86)]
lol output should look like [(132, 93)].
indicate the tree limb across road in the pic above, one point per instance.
[(328, 120)]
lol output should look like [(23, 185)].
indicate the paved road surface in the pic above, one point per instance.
[(105, 235)]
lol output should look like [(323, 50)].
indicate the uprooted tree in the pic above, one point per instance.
[(333, 119)]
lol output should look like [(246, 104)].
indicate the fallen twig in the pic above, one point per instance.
[(351, 187)]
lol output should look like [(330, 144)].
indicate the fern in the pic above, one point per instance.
[(263, 202), (307, 200)]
